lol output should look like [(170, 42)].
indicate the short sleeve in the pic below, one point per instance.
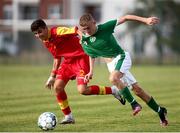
[(64, 31), (109, 26)]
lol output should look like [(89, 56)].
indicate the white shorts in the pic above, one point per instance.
[(124, 68)]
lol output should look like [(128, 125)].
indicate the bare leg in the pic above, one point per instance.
[(123, 89), (149, 100), (141, 93)]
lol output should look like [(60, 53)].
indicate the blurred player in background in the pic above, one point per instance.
[(98, 41), (70, 62)]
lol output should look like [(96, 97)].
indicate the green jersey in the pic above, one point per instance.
[(103, 42)]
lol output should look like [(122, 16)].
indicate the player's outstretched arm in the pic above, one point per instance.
[(91, 65), (51, 79), (148, 20), (56, 64)]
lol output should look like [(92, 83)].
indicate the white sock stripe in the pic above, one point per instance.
[(159, 109), (132, 101)]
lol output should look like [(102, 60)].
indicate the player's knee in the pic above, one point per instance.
[(58, 89), (82, 90), (115, 77), (114, 80)]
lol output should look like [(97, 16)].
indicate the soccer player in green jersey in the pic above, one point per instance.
[(99, 41)]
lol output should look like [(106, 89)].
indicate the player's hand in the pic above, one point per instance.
[(88, 77), (50, 82), (152, 20)]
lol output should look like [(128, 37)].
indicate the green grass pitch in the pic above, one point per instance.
[(23, 98)]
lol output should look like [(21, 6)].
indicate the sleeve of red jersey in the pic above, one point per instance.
[(66, 30)]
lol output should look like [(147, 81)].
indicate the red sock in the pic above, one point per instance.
[(100, 90), (63, 102)]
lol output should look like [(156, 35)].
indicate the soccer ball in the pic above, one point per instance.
[(47, 121)]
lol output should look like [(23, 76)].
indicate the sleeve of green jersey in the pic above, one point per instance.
[(109, 26)]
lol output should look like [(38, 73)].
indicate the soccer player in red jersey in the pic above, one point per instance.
[(70, 62)]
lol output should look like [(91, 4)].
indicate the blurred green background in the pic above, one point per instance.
[(159, 44)]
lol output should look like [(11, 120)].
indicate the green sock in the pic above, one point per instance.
[(153, 105), (126, 93)]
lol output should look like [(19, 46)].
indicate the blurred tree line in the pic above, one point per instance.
[(167, 32)]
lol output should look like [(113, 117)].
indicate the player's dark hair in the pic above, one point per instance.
[(39, 23), (85, 19)]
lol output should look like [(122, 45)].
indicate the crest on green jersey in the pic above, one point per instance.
[(92, 39)]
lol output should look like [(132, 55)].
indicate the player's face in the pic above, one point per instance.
[(41, 33), (89, 28)]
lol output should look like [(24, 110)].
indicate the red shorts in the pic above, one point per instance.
[(74, 68)]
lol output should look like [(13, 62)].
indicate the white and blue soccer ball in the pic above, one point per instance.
[(47, 121)]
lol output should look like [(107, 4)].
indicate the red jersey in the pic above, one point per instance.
[(64, 42)]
